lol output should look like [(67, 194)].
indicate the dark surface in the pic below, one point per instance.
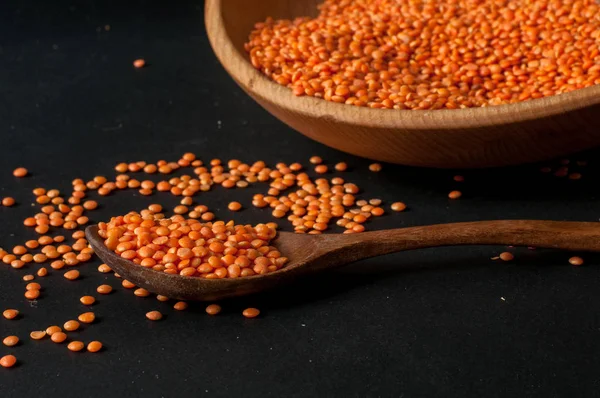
[(441, 322)]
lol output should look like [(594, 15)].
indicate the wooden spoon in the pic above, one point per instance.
[(313, 253), (529, 131)]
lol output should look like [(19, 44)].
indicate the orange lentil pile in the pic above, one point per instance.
[(414, 54), (190, 248)]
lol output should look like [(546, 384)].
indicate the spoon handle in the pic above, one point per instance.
[(565, 235)]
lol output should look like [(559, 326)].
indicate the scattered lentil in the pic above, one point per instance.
[(50, 330), (20, 172), (37, 334), (8, 361), (213, 309), (141, 292), (87, 317), (576, 261), (234, 206), (506, 256), (71, 325), (87, 300), (342, 166), (375, 167), (127, 285), (58, 337), (75, 346), (104, 289), (94, 346), (180, 305), (398, 206), (455, 194), (8, 201), (10, 314), (10, 341), (154, 315), (138, 63), (71, 275), (104, 268), (251, 312)]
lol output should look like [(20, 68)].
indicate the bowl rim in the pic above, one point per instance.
[(257, 84)]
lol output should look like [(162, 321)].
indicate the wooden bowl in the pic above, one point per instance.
[(530, 131)]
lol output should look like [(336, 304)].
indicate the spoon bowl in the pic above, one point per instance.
[(529, 131), (310, 254)]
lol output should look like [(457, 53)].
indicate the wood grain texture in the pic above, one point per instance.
[(477, 137), (310, 254)]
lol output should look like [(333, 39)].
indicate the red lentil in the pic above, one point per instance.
[(8, 201), (342, 166), (234, 206), (213, 309), (87, 300), (104, 289), (50, 330), (180, 305), (398, 206), (141, 292), (32, 244), (162, 298), (375, 167), (87, 317), (37, 334), (154, 315), (20, 172), (71, 275), (10, 314), (576, 261), (71, 325), (58, 337), (127, 285), (75, 346), (10, 341), (455, 194), (32, 294), (251, 312), (139, 63), (94, 346), (104, 268), (8, 361), (506, 256), (321, 169)]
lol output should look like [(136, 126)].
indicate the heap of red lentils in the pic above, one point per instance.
[(190, 248), (415, 54)]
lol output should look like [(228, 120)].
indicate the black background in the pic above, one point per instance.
[(442, 322)]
